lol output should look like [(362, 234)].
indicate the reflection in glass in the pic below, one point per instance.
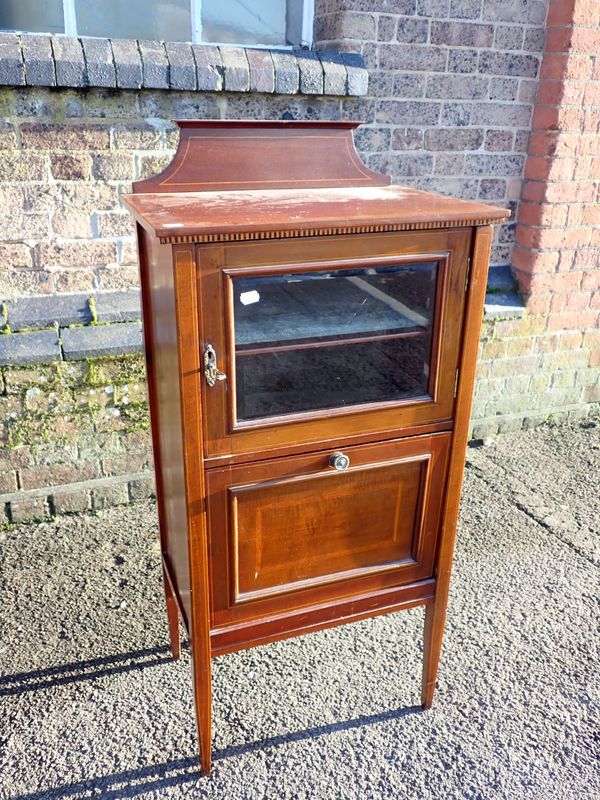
[(31, 15), (159, 20), (244, 22), (317, 340)]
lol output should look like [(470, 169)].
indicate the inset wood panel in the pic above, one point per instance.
[(291, 532)]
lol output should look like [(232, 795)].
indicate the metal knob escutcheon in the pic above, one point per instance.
[(211, 372), (339, 461)]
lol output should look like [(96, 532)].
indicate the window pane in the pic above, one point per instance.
[(309, 341), (31, 15), (168, 20), (244, 21)]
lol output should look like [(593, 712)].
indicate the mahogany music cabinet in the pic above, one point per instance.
[(311, 336)]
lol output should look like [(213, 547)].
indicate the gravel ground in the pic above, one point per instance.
[(92, 705)]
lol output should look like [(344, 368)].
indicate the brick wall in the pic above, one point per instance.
[(451, 91), (557, 257), (74, 437)]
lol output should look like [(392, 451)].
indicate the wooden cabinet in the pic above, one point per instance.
[(311, 335)]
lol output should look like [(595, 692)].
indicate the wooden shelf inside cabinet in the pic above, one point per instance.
[(311, 334)]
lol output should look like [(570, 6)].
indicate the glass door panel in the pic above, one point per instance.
[(328, 338), (315, 340)]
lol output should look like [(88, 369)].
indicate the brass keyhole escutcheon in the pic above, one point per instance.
[(211, 372)]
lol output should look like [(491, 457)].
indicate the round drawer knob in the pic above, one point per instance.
[(339, 461)]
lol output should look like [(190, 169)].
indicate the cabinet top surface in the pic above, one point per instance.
[(209, 216)]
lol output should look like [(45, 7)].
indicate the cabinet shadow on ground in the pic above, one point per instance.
[(131, 783), (22, 682)]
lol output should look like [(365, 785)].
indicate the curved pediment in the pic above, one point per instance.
[(221, 155)]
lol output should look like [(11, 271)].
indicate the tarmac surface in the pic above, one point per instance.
[(91, 704)]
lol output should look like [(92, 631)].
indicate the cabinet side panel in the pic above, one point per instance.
[(160, 336)]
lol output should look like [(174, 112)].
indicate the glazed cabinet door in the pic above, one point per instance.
[(304, 341), (294, 532)]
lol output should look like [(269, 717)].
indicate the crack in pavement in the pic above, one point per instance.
[(520, 506)]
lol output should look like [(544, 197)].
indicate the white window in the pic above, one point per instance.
[(275, 23)]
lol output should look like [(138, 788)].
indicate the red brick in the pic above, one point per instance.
[(584, 10), (591, 120), (588, 144), (546, 344), (570, 119), (579, 66), (587, 257), (550, 92), (583, 167), (523, 259), (557, 214), (558, 40), (586, 40), (543, 143), (566, 260), (575, 213), (547, 262), (572, 92), (534, 191), (591, 95), (528, 236), (531, 213), (537, 167), (591, 280), (555, 169), (567, 144), (569, 193), (539, 304), (545, 118), (572, 320), (570, 341), (534, 261), (577, 301), (553, 66), (562, 238), (595, 301), (561, 12), (553, 282)]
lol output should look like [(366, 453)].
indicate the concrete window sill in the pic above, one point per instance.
[(69, 62)]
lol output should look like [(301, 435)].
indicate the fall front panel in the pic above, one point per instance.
[(291, 532)]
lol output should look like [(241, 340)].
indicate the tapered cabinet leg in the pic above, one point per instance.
[(173, 617), (203, 702), (435, 618)]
